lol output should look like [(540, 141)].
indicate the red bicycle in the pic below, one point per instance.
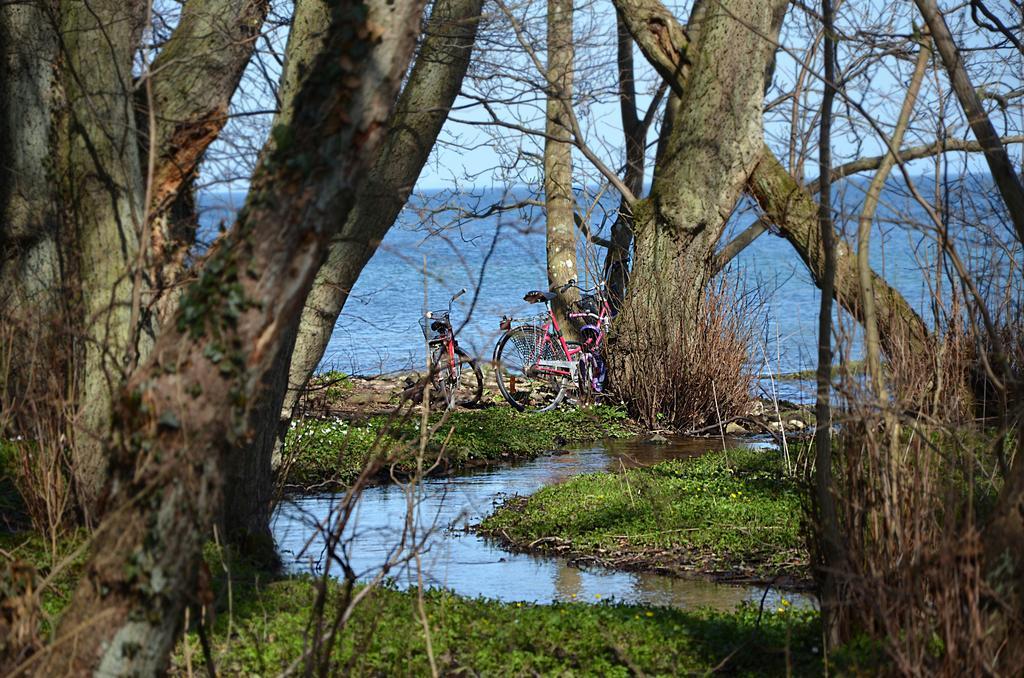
[(536, 367), (455, 377)]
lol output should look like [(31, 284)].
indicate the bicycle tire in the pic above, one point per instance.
[(471, 383), (445, 384), (515, 352), (465, 387)]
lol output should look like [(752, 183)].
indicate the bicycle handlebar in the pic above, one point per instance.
[(572, 283)]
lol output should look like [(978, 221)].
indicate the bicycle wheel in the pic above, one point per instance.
[(515, 370), (444, 376), (471, 382), (586, 369)]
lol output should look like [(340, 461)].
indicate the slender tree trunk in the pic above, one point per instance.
[(559, 199), (872, 342), (714, 143), (830, 555), (616, 261), (187, 410), (1007, 180), (419, 114)]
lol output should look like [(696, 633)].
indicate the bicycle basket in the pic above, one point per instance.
[(436, 327), (537, 321)]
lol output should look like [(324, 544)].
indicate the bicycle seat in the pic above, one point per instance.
[(536, 296)]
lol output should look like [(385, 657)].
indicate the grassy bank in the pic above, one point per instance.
[(335, 450), (729, 515), (386, 636), (262, 628)]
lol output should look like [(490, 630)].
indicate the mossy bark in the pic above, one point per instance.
[(32, 301), (419, 114), (77, 135), (714, 143), (189, 408)]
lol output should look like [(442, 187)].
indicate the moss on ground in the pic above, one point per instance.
[(733, 515), (335, 451)]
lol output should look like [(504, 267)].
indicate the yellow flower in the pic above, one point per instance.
[(649, 614), (732, 495)]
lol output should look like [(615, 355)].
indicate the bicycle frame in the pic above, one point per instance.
[(447, 337), (570, 367)]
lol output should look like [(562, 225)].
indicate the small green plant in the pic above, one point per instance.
[(333, 384), (697, 514), (334, 449)]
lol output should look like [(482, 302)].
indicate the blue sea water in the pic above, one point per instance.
[(437, 248)]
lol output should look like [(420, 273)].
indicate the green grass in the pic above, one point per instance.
[(385, 636), (704, 514), (265, 627), (335, 450), (21, 549)]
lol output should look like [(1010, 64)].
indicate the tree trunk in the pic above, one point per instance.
[(786, 204), (193, 79), (188, 409), (714, 144), (829, 557), (1007, 180), (616, 261), (32, 304), (102, 196), (559, 200), (74, 206), (419, 114)]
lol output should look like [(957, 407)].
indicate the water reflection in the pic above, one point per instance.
[(471, 566)]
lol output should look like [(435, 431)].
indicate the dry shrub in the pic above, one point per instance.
[(914, 483), (693, 383), (937, 382), (912, 581), (36, 448)]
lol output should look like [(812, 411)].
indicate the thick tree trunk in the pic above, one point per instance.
[(188, 409), (419, 114), (193, 79), (102, 195), (790, 207), (32, 305), (559, 200), (74, 185), (714, 144)]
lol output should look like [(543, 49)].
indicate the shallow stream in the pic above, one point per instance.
[(470, 565)]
